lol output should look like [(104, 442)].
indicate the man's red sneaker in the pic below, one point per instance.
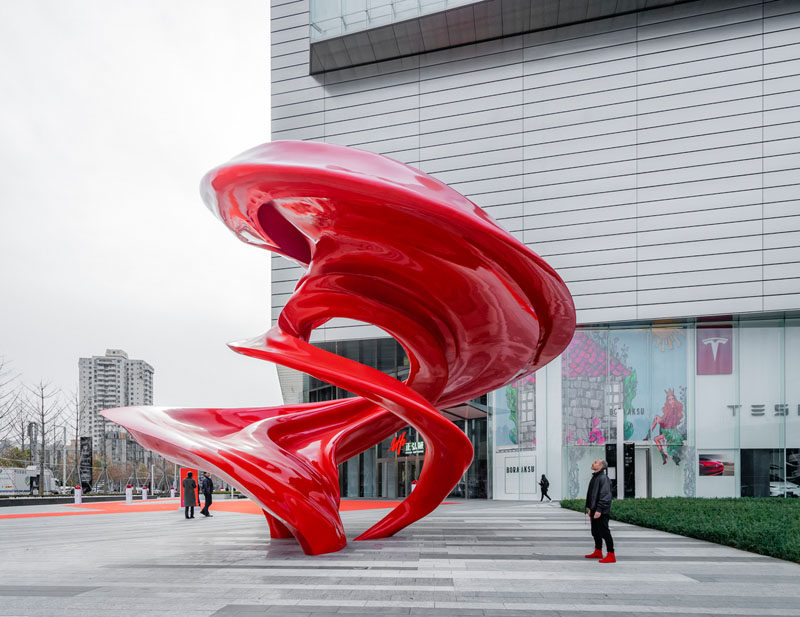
[(608, 559), (596, 555)]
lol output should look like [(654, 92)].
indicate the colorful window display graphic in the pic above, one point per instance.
[(715, 464), (515, 415), (591, 373), (671, 428), (642, 372)]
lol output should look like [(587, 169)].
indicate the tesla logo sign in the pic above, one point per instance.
[(714, 351), (715, 342), (397, 443)]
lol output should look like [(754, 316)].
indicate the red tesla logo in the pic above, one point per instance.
[(397, 443)]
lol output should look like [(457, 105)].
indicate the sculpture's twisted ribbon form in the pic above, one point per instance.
[(385, 244)]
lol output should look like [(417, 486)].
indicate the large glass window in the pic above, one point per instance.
[(710, 406), (332, 18), (514, 465), (636, 376)]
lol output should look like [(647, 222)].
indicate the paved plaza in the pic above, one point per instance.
[(467, 558)]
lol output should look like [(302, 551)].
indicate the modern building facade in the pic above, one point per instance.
[(105, 382), (649, 151)]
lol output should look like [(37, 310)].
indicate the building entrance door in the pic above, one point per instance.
[(395, 476), (473, 483), (400, 459), (402, 479)]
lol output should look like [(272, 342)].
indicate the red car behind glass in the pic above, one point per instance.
[(711, 467)]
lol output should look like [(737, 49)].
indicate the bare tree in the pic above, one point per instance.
[(165, 481), (44, 405), (9, 396), (73, 411), (18, 424)]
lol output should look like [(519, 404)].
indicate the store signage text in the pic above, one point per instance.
[(780, 409), (519, 469), (414, 447), (397, 443)]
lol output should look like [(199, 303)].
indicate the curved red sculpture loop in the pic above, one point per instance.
[(385, 244)]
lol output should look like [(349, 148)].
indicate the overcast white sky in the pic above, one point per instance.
[(110, 113)]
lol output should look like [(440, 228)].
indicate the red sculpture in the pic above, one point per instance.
[(385, 244)]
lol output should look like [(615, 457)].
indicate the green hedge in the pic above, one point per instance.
[(768, 526)]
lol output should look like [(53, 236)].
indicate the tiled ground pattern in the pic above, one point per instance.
[(471, 558)]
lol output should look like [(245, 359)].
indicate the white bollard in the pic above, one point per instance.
[(144, 493), (172, 493), (78, 495), (129, 494)]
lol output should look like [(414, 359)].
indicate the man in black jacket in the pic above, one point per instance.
[(206, 487), (598, 507)]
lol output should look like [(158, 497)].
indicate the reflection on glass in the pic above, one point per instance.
[(332, 18)]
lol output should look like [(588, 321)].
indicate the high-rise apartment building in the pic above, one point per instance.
[(111, 380)]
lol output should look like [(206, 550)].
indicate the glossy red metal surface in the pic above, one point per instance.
[(385, 244)]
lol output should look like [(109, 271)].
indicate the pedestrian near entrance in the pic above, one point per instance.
[(544, 484), (189, 486), (598, 507), (207, 487)]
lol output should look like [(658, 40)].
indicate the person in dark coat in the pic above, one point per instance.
[(189, 496), (598, 507), (544, 483), (206, 487)]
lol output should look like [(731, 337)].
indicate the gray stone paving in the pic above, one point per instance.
[(469, 558)]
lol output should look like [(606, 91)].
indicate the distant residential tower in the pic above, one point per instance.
[(112, 380)]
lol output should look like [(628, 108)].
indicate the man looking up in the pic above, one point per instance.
[(598, 507)]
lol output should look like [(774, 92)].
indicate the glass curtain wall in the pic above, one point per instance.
[(357, 476), (748, 406), (629, 385), (331, 18), (392, 468), (708, 407), (513, 419)]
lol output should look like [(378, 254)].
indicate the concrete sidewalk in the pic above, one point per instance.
[(469, 558)]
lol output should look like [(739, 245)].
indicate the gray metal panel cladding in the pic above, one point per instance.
[(652, 158)]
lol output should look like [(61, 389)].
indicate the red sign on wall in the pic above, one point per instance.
[(714, 350), (397, 443), (185, 474)]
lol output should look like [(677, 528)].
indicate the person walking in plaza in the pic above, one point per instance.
[(207, 487), (544, 484), (188, 494), (598, 507)]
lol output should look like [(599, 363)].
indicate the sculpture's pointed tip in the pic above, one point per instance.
[(243, 346)]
